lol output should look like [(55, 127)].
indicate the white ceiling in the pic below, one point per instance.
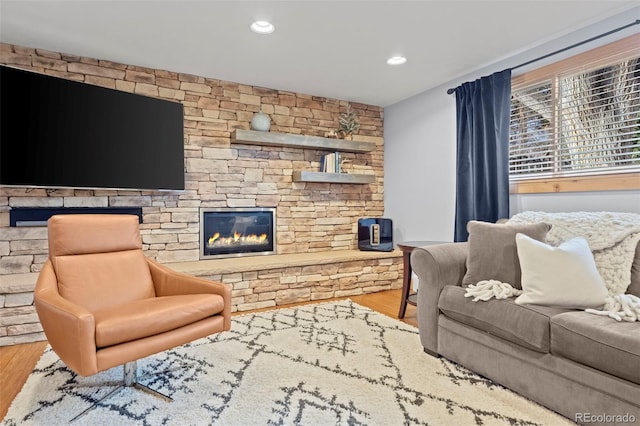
[(335, 49)]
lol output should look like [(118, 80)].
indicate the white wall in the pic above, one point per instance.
[(419, 160), (420, 147)]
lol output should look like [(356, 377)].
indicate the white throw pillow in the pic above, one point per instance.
[(563, 276)]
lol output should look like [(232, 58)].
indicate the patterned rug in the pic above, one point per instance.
[(325, 364)]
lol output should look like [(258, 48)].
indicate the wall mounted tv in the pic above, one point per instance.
[(62, 133)]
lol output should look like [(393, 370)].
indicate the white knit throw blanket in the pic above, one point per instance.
[(612, 237)]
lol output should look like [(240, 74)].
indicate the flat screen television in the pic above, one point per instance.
[(61, 133)]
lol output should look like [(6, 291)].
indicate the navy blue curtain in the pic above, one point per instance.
[(482, 186)]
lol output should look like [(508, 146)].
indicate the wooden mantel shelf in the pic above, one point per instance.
[(252, 137), (323, 177)]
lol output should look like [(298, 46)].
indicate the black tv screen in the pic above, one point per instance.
[(62, 133)]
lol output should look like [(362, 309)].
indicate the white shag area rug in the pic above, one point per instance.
[(334, 363)]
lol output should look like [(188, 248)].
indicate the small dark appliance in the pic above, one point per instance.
[(375, 233)]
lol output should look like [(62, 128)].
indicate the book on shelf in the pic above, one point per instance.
[(331, 163), (327, 163)]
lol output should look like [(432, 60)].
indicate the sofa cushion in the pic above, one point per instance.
[(493, 253), (525, 325), (146, 317), (599, 342)]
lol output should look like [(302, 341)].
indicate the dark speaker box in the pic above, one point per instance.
[(375, 233)]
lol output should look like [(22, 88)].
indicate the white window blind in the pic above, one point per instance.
[(583, 123)]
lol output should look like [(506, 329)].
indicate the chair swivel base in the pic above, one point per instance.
[(130, 380)]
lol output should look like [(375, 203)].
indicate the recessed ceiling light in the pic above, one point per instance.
[(262, 27), (396, 60)]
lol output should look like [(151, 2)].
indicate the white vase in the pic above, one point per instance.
[(261, 122)]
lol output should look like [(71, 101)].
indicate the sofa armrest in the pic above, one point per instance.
[(168, 282), (436, 267), (70, 328)]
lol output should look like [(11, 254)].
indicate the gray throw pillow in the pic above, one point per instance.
[(634, 287), (493, 254)]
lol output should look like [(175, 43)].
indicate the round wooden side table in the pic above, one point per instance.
[(407, 297)]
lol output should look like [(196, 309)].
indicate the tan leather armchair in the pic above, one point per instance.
[(102, 303)]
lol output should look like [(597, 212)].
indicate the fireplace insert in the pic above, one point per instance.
[(230, 232)]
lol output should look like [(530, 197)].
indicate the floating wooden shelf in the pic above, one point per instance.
[(323, 177), (252, 137)]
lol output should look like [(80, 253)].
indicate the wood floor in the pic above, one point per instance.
[(17, 362)]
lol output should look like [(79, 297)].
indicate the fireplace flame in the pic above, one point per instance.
[(236, 239)]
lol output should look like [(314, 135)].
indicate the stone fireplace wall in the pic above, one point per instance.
[(311, 217)]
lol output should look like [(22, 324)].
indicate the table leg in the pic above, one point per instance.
[(406, 282)]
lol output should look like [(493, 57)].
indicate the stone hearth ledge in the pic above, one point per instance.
[(20, 283), (260, 263)]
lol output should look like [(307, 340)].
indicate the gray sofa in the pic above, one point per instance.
[(569, 361)]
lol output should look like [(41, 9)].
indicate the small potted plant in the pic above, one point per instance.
[(348, 123)]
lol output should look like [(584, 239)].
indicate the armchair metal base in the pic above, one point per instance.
[(130, 380)]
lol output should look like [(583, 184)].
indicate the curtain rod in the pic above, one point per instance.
[(615, 30)]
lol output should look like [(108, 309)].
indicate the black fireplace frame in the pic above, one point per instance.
[(38, 216), (205, 210)]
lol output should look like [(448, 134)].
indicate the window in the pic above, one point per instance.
[(575, 125)]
